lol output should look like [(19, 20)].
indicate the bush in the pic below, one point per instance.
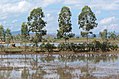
[(90, 47), (67, 46), (72, 47), (49, 47), (104, 46), (61, 47), (42, 46), (114, 47), (96, 45), (80, 47)]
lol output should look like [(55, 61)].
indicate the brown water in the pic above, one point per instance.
[(70, 66)]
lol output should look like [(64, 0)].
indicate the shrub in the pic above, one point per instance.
[(114, 47), (86, 47), (96, 45), (61, 47), (42, 46), (49, 47)]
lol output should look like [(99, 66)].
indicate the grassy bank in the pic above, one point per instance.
[(73, 45), (77, 40)]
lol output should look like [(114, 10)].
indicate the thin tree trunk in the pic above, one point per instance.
[(25, 46), (64, 39), (87, 37)]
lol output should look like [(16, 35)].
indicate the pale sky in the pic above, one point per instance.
[(14, 12)]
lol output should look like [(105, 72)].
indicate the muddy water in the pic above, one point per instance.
[(70, 66)]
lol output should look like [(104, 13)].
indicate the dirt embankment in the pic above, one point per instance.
[(61, 52)]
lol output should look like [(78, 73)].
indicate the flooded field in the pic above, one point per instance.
[(68, 66)]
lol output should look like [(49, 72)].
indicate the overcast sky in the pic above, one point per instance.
[(14, 12)]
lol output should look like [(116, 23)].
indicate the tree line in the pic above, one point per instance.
[(35, 24)]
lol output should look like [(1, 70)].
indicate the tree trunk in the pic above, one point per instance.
[(65, 40), (87, 37), (25, 46)]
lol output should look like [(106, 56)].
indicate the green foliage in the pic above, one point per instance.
[(87, 47), (36, 24), (35, 39), (17, 37), (94, 35), (115, 47), (63, 46), (2, 33), (24, 31), (42, 46), (70, 35), (104, 34), (112, 35), (8, 35), (84, 34), (59, 34), (64, 22), (107, 46), (35, 20), (87, 20), (96, 45), (71, 47), (48, 47)]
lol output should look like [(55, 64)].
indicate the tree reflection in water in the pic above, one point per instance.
[(65, 66)]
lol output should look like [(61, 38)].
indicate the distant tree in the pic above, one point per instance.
[(24, 33), (87, 20), (112, 35), (84, 34), (17, 38), (2, 33), (103, 34), (71, 35), (118, 36), (8, 36), (64, 23), (94, 35), (36, 24)]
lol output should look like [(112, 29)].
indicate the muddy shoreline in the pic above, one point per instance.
[(61, 52)]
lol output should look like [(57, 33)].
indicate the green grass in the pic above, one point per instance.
[(77, 40)]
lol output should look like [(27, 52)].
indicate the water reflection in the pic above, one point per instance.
[(67, 66)]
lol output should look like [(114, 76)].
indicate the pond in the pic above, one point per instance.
[(64, 66)]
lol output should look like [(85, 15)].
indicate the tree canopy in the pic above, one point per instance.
[(36, 24), (8, 35), (64, 22), (24, 31), (87, 19), (2, 33), (103, 34)]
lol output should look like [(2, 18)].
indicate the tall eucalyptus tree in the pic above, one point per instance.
[(64, 23), (24, 33), (87, 20), (36, 24)]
